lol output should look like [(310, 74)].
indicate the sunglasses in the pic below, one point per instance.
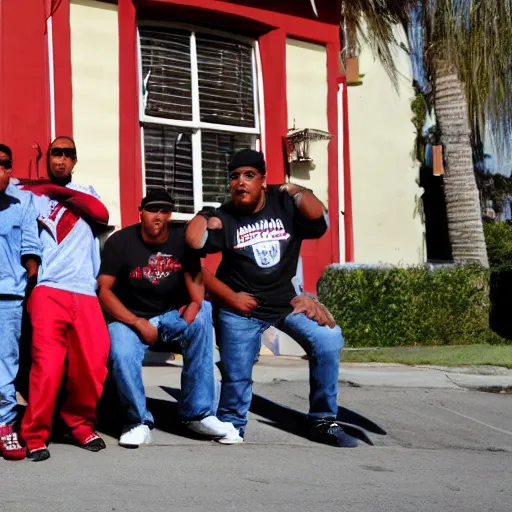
[(247, 175), (67, 152), (6, 164), (157, 209)]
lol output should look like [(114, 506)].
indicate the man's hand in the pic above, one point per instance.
[(313, 310), (309, 206), (189, 312), (148, 331), (31, 284), (195, 233), (215, 223), (244, 303)]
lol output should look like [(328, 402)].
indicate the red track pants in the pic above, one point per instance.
[(67, 328)]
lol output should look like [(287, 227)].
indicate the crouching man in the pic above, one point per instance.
[(150, 282), (259, 233)]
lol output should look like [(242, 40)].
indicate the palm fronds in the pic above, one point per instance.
[(374, 22), (475, 38)]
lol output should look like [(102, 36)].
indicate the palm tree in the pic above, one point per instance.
[(469, 59), (469, 55)]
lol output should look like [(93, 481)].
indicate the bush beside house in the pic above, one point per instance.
[(498, 238), (385, 307)]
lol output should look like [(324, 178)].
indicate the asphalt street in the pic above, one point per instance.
[(445, 449)]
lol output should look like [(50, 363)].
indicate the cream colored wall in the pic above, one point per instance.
[(95, 80), (385, 193), (306, 89)]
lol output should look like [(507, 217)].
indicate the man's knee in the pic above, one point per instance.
[(123, 342), (328, 342)]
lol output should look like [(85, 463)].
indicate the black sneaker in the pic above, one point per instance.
[(95, 445), (329, 432), (38, 455)]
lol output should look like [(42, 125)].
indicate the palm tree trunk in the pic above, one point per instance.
[(465, 225)]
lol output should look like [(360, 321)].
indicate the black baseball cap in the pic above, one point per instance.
[(248, 158), (157, 197)]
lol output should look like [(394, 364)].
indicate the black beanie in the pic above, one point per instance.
[(248, 158)]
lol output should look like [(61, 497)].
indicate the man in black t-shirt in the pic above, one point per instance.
[(150, 282), (259, 233)]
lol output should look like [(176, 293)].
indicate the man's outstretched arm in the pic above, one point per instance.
[(308, 205), (84, 205), (197, 232)]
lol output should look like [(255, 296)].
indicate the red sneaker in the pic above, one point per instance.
[(10, 445)]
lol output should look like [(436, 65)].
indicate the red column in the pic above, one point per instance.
[(333, 71), (130, 156), (62, 70), (273, 63), (349, 223), (24, 93)]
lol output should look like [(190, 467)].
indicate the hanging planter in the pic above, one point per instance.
[(352, 71)]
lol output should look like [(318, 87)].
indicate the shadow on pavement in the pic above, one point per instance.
[(295, 422), (167, 419), (165, 413)]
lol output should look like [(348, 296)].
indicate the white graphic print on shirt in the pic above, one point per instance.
[(263, 236)]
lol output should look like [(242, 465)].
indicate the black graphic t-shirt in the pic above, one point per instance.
[(149, 278), (260, 251)]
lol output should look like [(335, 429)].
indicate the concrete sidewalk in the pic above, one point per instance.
[(286, 368), (445, 449)]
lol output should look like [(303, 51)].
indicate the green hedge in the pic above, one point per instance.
[(385, 307), (498, 238)]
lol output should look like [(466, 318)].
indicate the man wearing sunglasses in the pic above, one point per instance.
[(70, 336), (259, 233), (150, 282), (20, 255)]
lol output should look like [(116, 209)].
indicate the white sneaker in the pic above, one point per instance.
[(232, 437), (135, 436), (210, 426)]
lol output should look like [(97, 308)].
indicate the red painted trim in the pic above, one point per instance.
[(24, 100), (130, 156), (62, 70), (294, 26), (349, 222), (333, 71), (2, 75), (273, 64)]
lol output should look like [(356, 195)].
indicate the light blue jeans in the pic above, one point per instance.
[(239, 340), (197, 377), (10, 330)]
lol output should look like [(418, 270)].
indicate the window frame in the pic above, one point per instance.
[(196, 125)]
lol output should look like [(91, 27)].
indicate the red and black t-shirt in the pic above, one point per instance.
[(149, 277), (260, 251)]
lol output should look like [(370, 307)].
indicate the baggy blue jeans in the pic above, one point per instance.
[(197, 377), (239, 340), (10, 330)]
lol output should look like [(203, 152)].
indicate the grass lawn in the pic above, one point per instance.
[(496, 355)]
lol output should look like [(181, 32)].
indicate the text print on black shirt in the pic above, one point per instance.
[(159, 267), (264, 237)]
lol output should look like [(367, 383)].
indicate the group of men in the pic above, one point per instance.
[(91, 315)]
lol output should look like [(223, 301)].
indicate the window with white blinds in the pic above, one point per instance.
[(199, 105)]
